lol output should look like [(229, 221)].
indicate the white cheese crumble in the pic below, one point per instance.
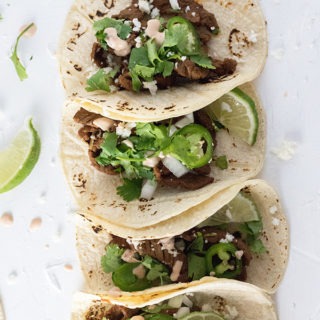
[(286, 150), (275, 221), (239, 254), (273, 209), (145, 6), (155, 13), (124, 129), (252, 37), (183, 58), (229, 238), (136, 25), (212, 28), (151, 86), (174, 4), (187, 9), (193, 14), (138, 41)]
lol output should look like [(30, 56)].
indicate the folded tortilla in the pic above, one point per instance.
[(248, 301), (265, 270), (242, 37), (95, 192)]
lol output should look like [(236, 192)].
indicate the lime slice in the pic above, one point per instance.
[(237, 112), (18, 160), (202, 316), (239, 210)]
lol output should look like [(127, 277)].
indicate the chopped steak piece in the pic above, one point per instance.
[(99, 56), (201, 117), (86, 117), (190, 70), (189, 181), (205, 170), (223, 68), (117, 312), (125, 81), (130, 13)]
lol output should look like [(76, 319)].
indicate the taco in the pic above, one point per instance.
[(245, 238), (112, 53), (108, 163), (210, 299)]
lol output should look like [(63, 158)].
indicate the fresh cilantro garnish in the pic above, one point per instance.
[(196, 266), (202, 61), (156, 271), (197, 244), (130, 190), (222, 162), (123, 30), (111, 261), (101, 80), (20, 69), (252, 231)]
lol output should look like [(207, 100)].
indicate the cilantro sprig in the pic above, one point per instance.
[(101, 80), (20, 69)]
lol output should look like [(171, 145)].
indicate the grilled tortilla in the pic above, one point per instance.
[(242, 37), (265, 270), (96, 192), (228, 298)]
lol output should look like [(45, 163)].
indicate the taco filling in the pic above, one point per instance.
[(157, 44), (216, 248), (185, 306), (174, 153)]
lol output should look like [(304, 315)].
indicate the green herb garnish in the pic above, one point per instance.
[(222, 162), (111, 261), (20, 69), (101, 80)]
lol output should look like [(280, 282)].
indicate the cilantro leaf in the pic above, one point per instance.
[(156, 269), (197, 244), (196, 266), (139, 56), (153, 52), (111, 261), (144, 72), (101, 80), (109, 145), (203, 61), (257, 246), (123, 30), (130, 190), (20, 69), (222, 162)]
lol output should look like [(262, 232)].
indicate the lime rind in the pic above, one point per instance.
[(22, 171), (237, 112)]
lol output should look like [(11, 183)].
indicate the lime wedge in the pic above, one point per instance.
[(18, 160), (202, 316), (239, 210), (237, 112)]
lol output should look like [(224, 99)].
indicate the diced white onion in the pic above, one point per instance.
[(187, 302), (148, 189), (172, 130), (187, 119), (128, 143), (175, 166), (174, 4), (175, 302), (183, 311), (151, 162)]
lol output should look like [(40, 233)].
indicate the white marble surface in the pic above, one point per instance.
[(34, 280)]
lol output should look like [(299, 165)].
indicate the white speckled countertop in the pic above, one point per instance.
[(38, 267)]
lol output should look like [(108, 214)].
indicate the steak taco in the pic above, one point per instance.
[(139, 174), (246, 239), (148, 60), (209, 299)]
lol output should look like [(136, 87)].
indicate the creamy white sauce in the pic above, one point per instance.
[(152, 31), (121, 47)]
